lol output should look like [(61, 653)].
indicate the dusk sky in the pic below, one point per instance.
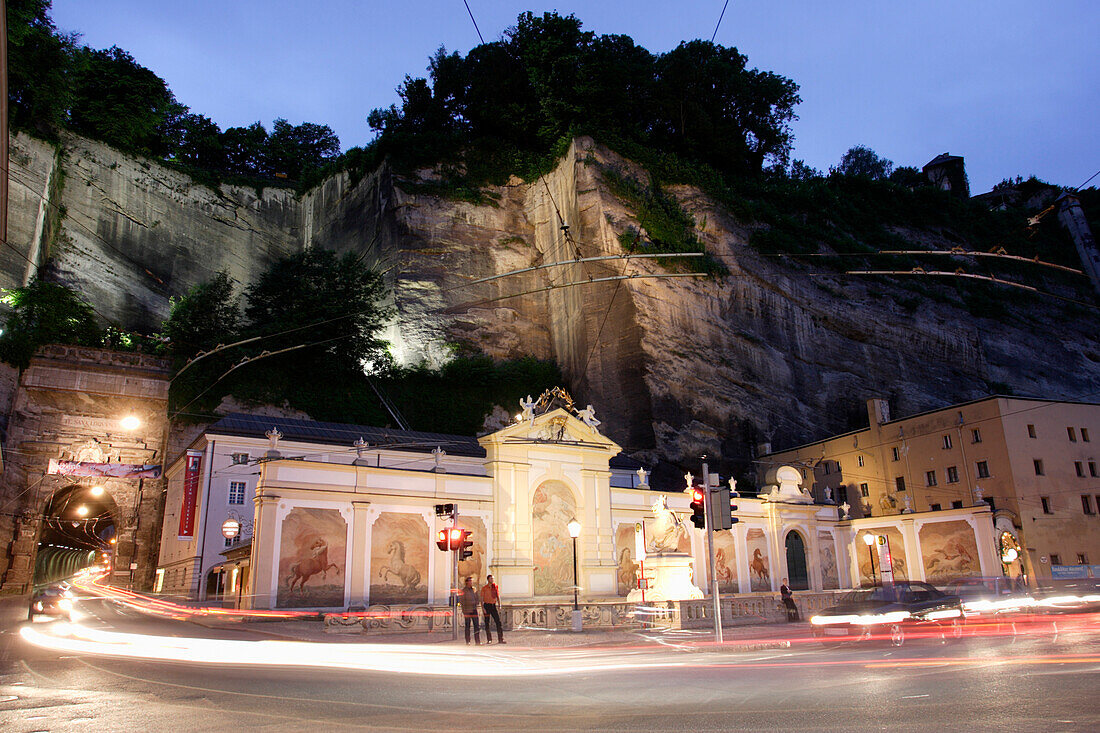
[(1011, 85)]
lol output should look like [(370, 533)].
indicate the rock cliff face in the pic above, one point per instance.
[(676, 367)]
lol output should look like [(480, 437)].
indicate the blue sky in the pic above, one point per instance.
[(1010, 85)]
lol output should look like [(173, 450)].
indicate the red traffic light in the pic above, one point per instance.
[(698, 513), (696, 496), (441, 540)]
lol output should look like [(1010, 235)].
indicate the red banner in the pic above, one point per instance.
[(190, 494)]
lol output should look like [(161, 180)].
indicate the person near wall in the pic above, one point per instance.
[(788, 601), (490, 600), (469, 600)]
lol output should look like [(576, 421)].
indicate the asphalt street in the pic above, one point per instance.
[(675, 682)]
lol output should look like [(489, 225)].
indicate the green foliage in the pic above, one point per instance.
[(44, 313), (208, 315), (861, 161), (38, 62), (668, 226), (508, 105)]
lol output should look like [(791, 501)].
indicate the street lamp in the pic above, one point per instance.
[(575, 531), (869, 540)]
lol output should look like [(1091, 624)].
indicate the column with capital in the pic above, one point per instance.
[(265, 555)]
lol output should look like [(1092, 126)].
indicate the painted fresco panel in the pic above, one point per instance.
[(552, 506), (476, 565), (897, 553), (827, 553), (399, 555), (756, 544), (312, 556), (950, 551), (624, 554), (725, 561)]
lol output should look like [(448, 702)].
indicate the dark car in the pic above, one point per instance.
[(991, 596), (51, 601), (891, 611)]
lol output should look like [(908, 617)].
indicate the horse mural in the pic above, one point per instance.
[(758, 566), (408, 575), (306, 567)]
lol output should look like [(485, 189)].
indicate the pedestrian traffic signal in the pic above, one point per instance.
[(464, 544), (443, 510), (443, 541), (698, 512)]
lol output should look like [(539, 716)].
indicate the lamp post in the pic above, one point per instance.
[(869, 540), (575, 531)]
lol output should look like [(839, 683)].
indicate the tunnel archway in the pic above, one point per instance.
[(78, 530)]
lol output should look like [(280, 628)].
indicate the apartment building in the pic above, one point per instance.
[(1036, 463)]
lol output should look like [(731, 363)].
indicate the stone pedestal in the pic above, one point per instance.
[(669, 577)]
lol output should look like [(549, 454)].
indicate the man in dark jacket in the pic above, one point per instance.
[(469, 600), (490, 598), (788, 601)]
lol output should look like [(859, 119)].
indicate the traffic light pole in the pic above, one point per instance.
[(454, 582), (707, 502)]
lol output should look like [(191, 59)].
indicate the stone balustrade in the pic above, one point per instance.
[(737, 610)]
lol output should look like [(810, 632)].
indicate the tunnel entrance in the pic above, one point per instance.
[(78, 531)]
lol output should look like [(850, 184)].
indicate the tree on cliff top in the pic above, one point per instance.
[(546, 79)]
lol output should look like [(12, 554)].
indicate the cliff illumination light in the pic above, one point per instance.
[(96, 491), (82, 511), (131, 422)]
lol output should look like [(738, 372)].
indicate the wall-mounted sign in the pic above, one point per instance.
[(191, 471)]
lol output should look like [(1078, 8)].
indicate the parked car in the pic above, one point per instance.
[(891, 611), (52, 600)]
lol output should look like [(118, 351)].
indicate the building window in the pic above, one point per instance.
[(930, 478), (976, 436), (1082, 558), (239, 459), (983, 469), (842, 494), (935, 507), (1046, 504), (1038, 463), (864, 491), (236, 492), (1092, 469), (1055, 559), (1085, 434), (1086, 504), (229, 541), (952, 474), (956, 505), (1079, 468), (838, 468), (895, 453), (860, 461), (1072, 435), (1031, 431), (899, 483), (992, 503), (946, 442)]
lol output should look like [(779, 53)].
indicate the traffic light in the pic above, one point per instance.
[(444, 510), (733, 510), (464, 544), (442, 539), (721, 509), (454, 535), (698, 512)]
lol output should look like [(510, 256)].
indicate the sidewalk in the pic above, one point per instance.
[(750, 637)]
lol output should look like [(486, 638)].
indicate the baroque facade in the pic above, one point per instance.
[(344, 516)]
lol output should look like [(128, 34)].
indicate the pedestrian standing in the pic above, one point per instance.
[(490, 599), (788, 600), (469, 600)]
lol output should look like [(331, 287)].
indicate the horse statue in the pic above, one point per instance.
[(668, 528), (306, 567), (406, 573)]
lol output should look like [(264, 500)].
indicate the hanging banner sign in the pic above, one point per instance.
[(106, 470), (191, 472)]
